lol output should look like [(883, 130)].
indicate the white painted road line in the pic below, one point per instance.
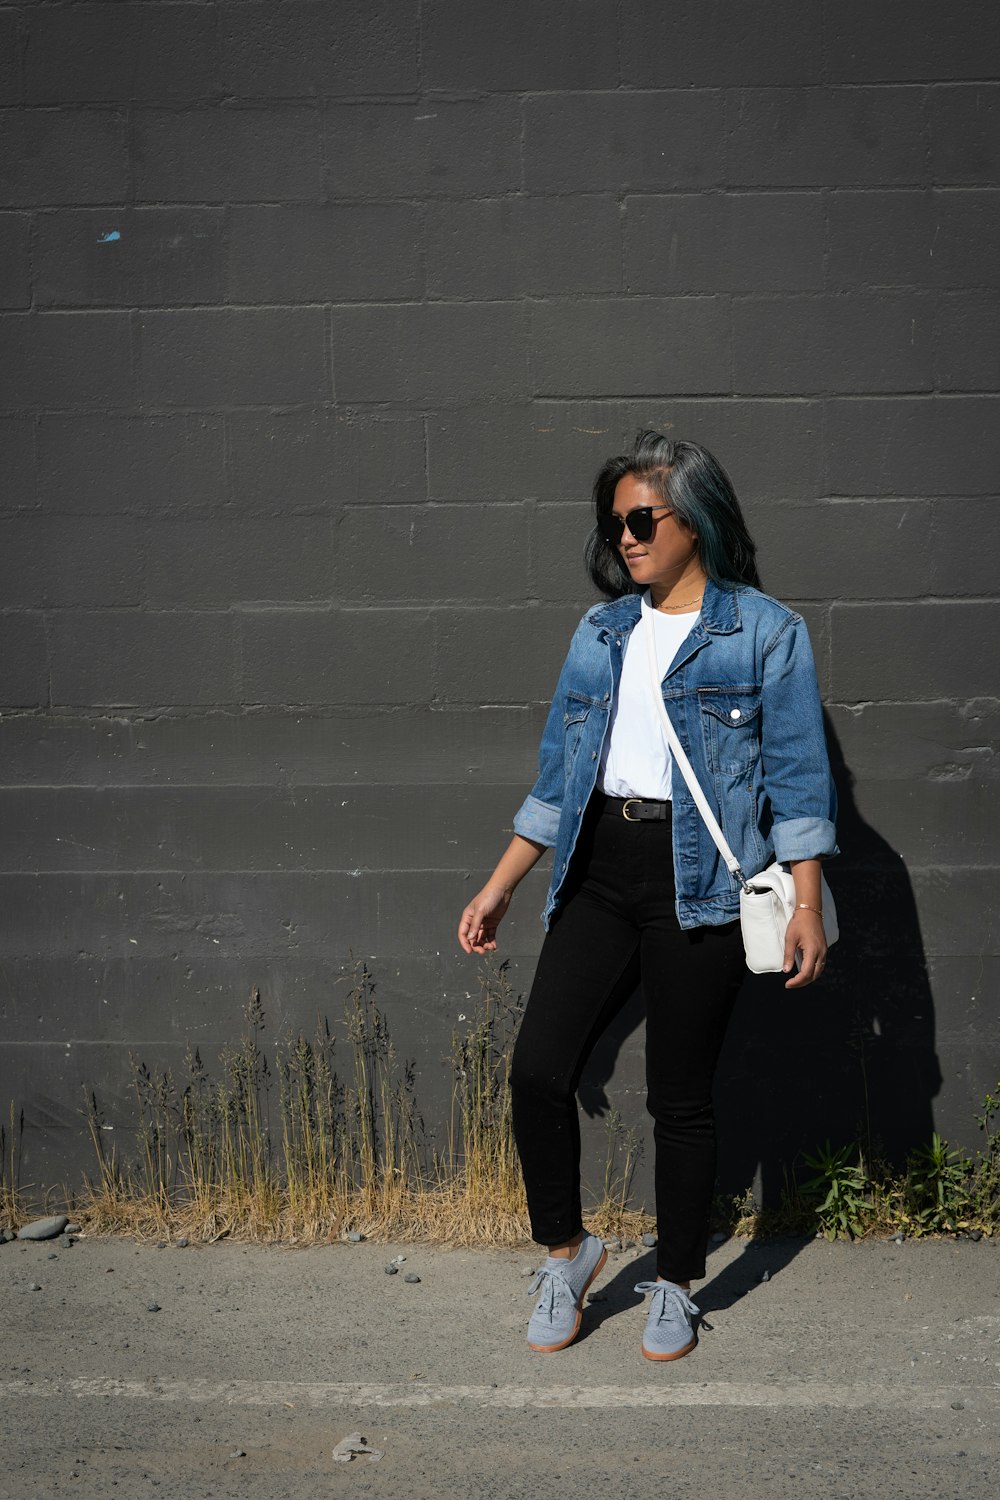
[(325, 1394)]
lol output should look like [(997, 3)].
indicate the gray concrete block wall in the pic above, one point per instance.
[(316, 322)]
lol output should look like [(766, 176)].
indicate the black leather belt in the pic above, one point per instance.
[(638, 810)]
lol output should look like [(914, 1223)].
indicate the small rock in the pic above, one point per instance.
[(43, 1229), (597, 1297), (53, 1255), (355, 1446), (66, 1242), (182, 1243), (765, 1275), (72, 1229), (976, 1234), (612, 1244), (152, 1307), (391, 1270), (6, 1235), (397, 1260), (958, 1406), (355, 1236), (527, 1270), (161, 1244), (898, 1239), (649, 1240), (411, 1278), (34, 1287), (238, 1453)]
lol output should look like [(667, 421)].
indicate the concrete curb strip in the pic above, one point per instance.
[(320, 1394)]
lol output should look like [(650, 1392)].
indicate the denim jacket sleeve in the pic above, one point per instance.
[(538, 816), (794, 759)]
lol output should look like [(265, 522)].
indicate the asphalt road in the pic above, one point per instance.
[(853, 1370)]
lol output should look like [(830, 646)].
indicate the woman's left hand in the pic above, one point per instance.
[(805, 933)]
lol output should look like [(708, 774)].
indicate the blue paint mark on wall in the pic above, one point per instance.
[(105, 239)]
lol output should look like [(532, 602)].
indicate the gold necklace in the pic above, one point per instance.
[(681, 606)]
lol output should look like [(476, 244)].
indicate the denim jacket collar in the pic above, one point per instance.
[(720, 612)]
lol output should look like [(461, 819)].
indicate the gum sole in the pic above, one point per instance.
[(554, 1348), (678, 1355)]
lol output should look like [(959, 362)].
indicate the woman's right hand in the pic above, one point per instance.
[(477, 931)]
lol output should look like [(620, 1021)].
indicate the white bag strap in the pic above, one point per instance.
[(678, 752)]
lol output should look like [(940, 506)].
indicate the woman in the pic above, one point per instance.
[(639, 893)]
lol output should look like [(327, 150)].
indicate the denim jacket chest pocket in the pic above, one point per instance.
[(730, 721), (576, 711)]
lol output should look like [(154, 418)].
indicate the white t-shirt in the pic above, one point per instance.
[(636, 759)]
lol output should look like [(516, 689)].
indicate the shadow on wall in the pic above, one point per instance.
[(851, 1059)]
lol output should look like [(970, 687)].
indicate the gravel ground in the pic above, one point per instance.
[(851, 1371)]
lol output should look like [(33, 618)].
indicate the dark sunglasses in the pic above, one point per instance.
[(639, 522)]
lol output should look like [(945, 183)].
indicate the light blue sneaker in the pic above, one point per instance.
[(563, 1284), (670, 1328)]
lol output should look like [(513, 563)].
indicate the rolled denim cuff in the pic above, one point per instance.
[(538, 821), (804, 838)]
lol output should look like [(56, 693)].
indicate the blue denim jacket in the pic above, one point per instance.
[(744, 700)]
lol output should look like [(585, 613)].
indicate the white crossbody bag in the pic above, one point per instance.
[(767, 900)]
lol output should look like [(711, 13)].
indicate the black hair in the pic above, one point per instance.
[(693, 482)]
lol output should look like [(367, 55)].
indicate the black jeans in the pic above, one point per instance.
[(617, 929)]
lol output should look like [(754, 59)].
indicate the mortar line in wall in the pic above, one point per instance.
[(683, 399), (718, 393), (299, 873), (382, 200), (340, 200), (247, 104), (251, 103), (693, 90), (261, 104), (615, 403), (393, 412), (128, 716), (725, 188), (934, 601), (697, 294)]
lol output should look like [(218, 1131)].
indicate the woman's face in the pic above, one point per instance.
[(670, 551)]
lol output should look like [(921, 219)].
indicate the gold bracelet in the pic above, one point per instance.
[(804, 906)]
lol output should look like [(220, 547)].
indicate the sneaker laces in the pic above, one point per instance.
[(550, 1281), (675, 1304)]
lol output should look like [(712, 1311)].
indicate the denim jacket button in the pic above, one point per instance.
[(734, 713)]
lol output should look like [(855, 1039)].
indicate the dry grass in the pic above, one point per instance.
[(295, 1152), (300, 1149), (12, 1207)]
